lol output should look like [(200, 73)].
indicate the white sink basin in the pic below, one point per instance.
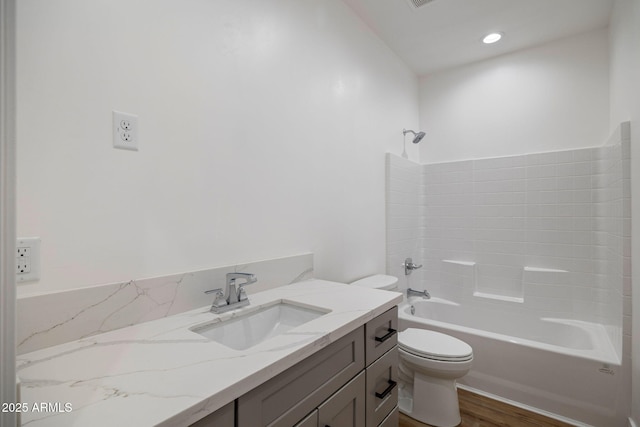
[(245, 331)]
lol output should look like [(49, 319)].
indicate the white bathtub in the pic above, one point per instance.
[(564, 368)]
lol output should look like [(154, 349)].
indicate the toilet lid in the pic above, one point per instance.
[(378, 281), (434, 345)]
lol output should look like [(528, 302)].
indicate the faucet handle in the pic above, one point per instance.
[(242, 294), (409, 266), (219, 301)]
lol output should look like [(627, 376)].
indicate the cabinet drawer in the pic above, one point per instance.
[(382, 387), (346, 408), (223, 417), (290, 396), (381, 334), (392, 420)]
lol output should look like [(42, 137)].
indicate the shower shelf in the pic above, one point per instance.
[(465, 263), (543, 270), (518, 300)]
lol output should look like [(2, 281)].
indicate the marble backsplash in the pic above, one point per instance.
[(55, 318)]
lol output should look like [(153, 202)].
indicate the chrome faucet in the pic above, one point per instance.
[(232, 298), (237, 297), (424, 294)]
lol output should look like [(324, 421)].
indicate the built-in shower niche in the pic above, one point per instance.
[(499, 282), (548, 291), (465, 279), (458, 278), (531, 286)]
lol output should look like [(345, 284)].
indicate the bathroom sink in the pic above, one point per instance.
[(250, 329)]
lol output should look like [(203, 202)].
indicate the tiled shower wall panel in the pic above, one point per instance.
[(403, 219), (509, 213), (447, 203), (612, 202), (547, 233)]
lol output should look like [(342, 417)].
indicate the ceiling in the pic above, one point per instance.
[(447, 33)]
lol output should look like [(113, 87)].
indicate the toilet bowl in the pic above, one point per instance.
[(430, 364)]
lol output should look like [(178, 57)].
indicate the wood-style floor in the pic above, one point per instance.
[(480, 411)]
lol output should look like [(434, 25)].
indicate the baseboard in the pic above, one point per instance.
[(527, 407)]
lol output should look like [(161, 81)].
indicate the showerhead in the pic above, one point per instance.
[(417, 136)]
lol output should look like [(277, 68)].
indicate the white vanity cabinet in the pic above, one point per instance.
[(350, 383)]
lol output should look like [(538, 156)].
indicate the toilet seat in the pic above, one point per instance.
[(434, 345)]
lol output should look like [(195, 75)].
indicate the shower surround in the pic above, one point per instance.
[(544, 235)]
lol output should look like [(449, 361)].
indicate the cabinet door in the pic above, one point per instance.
[(392, 419), (223, 417), (285, 399), (382, 387), (346, 408)]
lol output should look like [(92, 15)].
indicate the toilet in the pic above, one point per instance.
[(430, 364)]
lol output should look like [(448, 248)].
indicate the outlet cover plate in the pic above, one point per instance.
[(125, 131), (27, 259)]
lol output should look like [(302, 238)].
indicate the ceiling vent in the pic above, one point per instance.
[(416, 4)]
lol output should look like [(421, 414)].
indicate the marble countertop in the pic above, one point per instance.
[(160, 373)]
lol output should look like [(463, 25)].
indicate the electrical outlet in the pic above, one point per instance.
[(125, 131), (28, 259), (23, 266)]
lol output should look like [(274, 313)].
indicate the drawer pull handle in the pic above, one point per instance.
[(388, 335), (387, 391)]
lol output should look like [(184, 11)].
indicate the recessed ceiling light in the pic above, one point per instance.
[(491, 38)]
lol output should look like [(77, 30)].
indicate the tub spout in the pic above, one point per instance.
[(412, 292)]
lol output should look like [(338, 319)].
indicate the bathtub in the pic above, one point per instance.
[(562, 368)]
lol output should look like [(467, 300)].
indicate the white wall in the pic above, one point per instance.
[(552, 97), (263, 128), (625, 105)]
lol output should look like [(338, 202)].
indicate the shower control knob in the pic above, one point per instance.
[(409, 266)]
